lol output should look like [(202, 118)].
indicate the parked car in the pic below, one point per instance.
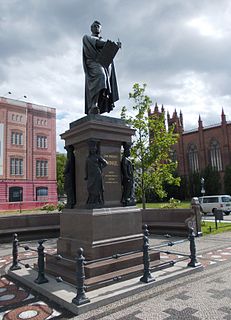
[(210, 203)]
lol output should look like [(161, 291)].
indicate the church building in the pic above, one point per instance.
[(204, 146)]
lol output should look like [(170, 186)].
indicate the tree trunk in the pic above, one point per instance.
[(143, 200)]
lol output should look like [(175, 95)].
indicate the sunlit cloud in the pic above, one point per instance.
[(206, 27)]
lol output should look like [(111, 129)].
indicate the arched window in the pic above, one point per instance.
[(215, 155), (15, 194), (193, 158)]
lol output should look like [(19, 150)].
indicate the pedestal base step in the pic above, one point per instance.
[(100, 273), (122, 275)]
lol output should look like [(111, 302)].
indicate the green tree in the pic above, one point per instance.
[(212, 181), (60, 164), (151, 146), (194, 184), (227, 180)]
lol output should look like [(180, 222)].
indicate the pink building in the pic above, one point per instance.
[(27, 155)]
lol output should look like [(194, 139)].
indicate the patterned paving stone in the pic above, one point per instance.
[(217, 280), (186, 313), (35, 311), (167, 305), (11, 294), (226, 310), (131, 316), (220, 294), (182, 296), (19, 303)]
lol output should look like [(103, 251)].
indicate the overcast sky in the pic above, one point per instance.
[(180, 48)]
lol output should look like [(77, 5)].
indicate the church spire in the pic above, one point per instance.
[(200, 123), (223, 117)]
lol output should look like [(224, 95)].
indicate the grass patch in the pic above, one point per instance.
[(209, 227), (160, 205), (24, 212)]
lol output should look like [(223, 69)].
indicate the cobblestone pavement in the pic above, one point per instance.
[(203, 295)]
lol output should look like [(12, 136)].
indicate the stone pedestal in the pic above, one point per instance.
[(100, 232), (104, 232)]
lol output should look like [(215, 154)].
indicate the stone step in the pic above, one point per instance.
[(124, 267)]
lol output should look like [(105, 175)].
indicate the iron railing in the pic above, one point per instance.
[(80, 262)]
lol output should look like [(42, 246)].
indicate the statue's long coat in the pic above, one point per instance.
[(96, 76)]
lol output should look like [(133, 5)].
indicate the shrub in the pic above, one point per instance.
[(173, 203), (60, 206), (48, 207)]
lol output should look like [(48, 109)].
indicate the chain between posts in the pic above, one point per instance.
[(80, 262)]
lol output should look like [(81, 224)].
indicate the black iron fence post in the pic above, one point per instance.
[(41, 264), (80, 277), (193, 262), (15, 265), (147, 277)]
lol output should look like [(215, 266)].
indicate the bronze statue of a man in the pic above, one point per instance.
[(101, 89)]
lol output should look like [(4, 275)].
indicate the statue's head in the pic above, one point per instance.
[(96, 27), (69, 149), (92, 144), (127, 149)]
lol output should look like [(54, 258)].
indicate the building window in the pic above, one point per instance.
[(193, 158), (16, 138), (41, 168), (41, 193), (215, 155), (16, 166), (15, 194), (41, 142)]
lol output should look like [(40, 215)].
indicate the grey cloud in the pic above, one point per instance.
[(158, 48)]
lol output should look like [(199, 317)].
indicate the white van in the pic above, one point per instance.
[(210, 203)]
